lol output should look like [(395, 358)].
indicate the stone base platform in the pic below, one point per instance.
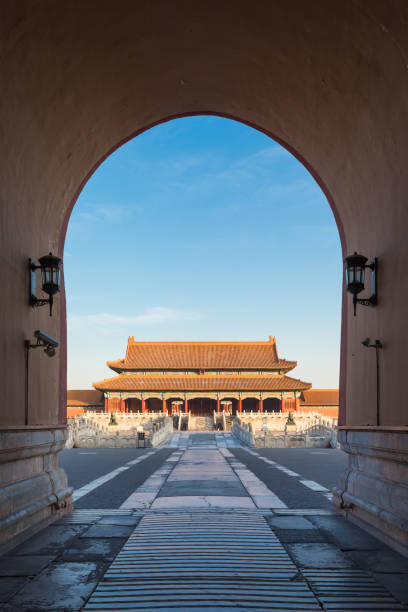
[(373, 491), (33, 488)]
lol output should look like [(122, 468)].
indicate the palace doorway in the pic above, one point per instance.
[(202, 406)]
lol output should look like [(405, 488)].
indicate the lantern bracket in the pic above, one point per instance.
[(372, 300)]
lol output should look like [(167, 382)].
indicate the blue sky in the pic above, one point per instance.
[(203, 229)]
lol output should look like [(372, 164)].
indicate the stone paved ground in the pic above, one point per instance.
[(203, 523)]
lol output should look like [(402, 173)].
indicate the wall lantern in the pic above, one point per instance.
[(355, 273), (50, 267)]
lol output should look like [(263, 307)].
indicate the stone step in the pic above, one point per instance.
[(201, 423)]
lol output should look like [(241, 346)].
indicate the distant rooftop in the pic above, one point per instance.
[(320, 397), (84, 397)]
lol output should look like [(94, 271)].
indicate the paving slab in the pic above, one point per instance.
[(383, 561), (63, 586), (301, 536), (108, 531), (202, 501), (290, 522), (52, 540), (203, 487), (89, 549), (9, 586), (119, 520), (397, 584), (28, 565), (346, 535), (325, 556)]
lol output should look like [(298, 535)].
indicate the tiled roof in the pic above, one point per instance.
[(320, 397), (84, 397), (128, 382), (201, 355)]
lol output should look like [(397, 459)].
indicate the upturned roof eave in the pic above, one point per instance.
[(119, 366), (116, 366), (298, 385)]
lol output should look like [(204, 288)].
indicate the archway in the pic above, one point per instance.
[(327, 102)]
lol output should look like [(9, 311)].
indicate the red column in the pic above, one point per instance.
[(261, 404), (164, 406), (185, 405), (218, 404), (283, 407), (143, 405), (240, 404), (107, 404), (122, 405), (296, 404)]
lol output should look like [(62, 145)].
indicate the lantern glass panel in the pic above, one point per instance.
[(46, 276), (50, 273), (355, 273), (359, 275)]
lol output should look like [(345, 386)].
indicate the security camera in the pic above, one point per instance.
[(366, 342), (46, 340), (50, 351)]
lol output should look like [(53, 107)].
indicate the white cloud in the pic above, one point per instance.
[(117, 213), (155, 315), (89, 213)]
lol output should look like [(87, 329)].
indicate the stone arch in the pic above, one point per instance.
[(330, 85), (278, 139)]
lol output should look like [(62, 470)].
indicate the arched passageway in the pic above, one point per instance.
[(327, 83)]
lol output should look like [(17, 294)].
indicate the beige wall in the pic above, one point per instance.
[(329, 80)]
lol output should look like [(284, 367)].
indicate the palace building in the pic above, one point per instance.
[(201, 377)]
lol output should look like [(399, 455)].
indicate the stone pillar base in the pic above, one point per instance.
[(373, 491), (33, 489)]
